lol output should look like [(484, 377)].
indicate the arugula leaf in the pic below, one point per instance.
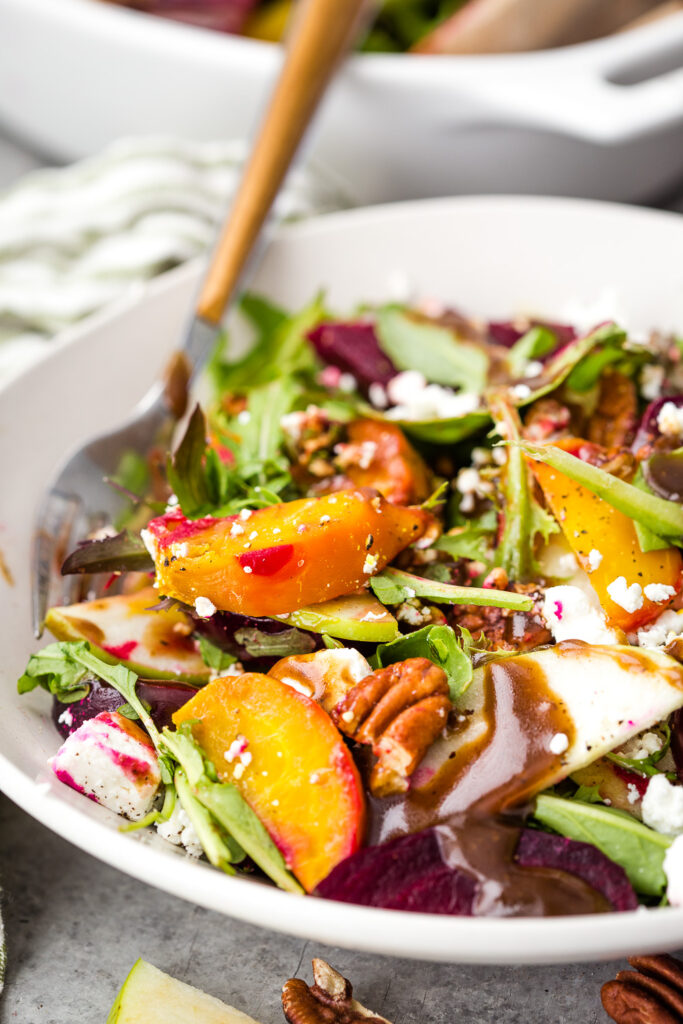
[(437, 643), (123, 553), (215, 657), (538, 341), (55, 669), (664, 518), (393, 586), (638, 849), (560, 366), (229, 808), (524, 517), (474, 540), (436, 352)]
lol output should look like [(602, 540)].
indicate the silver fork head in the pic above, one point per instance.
[(82, 500)]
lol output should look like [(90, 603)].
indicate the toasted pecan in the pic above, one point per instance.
[(613, 424), (328, 1001), (399, 711), (650, 994)]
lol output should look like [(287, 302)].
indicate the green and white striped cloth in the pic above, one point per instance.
[(74, 239)]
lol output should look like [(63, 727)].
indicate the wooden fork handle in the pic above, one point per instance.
[(322, 33)]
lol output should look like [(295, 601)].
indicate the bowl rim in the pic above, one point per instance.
[(430, 936)]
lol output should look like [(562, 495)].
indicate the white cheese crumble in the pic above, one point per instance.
[(658, 592), (594, 559), (204, 607), (670, 420), (559, 743), (651, 380), (245, 513), (347, 383), (533, 369), (66, 718), (236, 530), (247, 568), (237, 748), (665, 628), (663, 806), (414, 399), (244, 416), (641, 746), (673, 869), (370, 563), (630, 598), (149, 540), (632, 794), (571, 614), (180, 831), (378, 396), (180, 550), (521, 392)]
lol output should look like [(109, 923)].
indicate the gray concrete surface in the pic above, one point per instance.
[(75, 927)]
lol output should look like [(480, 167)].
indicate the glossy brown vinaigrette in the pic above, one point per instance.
[(479, 797)]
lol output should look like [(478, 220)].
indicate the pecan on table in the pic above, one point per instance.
[(399, 711), (650, 994), (328, 1001)]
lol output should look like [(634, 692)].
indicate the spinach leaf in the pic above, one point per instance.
[(437, 643), (55, 669), (393, 586), (638, 849), (214, 656), (436, 352), (662, 517)]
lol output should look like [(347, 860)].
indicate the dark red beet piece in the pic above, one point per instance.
[(648, 431), (407, 873), (353, 348), (542, 850), (163, 697)]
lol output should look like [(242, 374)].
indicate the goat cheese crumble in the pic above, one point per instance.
[(571, 614), (670, 420), (658, 592), (204, 607), (630, 598), (662, 806), (594, 559), (179, 830)]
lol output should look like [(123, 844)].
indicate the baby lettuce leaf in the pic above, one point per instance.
[(228, 807), (221, 850), (448, 431), (524, 518), (186, 469), (280, 349), (475, 540), (57, 671), (647, 540), (213, 656), (538, 341), (437, 643), (662, 517), (393, 586), (638, 849), (436, 352), (123, 553)]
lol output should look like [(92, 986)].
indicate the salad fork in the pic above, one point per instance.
[(81, 498)]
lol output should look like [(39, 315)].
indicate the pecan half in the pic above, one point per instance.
[(399, 711), (328, 1001), (613, 423), (650, 994)]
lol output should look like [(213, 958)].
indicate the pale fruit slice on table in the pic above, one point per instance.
[(148, 996)]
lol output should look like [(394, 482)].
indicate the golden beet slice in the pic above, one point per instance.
[(290, 763), (277, 559)]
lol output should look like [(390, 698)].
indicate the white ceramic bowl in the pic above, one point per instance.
[(603, 119), (490, 256)]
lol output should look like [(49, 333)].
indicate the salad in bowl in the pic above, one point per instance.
[(396, 620)]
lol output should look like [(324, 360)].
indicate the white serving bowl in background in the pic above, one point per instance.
[(602, 119), (488, 256)]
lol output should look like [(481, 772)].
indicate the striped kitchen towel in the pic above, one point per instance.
[(75, 238)]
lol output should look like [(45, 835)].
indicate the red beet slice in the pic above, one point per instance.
[(543, 850), (353, 348), (163, 699)]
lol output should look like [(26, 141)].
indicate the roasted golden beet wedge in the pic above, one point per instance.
[(277, 559)]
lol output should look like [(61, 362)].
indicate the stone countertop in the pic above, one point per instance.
[(75, 927)]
